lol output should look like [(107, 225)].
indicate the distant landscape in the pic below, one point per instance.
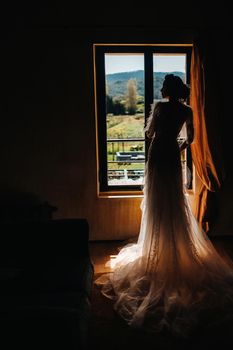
[(126, 123), (117, 82)]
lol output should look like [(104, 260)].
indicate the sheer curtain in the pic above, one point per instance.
[(206, 148)]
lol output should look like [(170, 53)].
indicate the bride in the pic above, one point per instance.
[(173, 274)]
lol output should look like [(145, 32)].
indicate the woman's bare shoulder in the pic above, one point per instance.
[(156, 107), (158, 104)]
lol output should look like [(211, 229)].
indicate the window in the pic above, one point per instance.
[(128, 78)]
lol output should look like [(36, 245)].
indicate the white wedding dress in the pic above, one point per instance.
[(173, 275)]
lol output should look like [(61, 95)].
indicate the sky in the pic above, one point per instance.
[(126, 63)]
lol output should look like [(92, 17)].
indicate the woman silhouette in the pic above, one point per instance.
[(173, 273)]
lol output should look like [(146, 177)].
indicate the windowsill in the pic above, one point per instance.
[(121, 194), (128, 194)]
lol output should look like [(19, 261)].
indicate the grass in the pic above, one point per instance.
[(128, 166), (125, 126)]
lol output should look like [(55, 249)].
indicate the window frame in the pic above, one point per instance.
[(99, 51)]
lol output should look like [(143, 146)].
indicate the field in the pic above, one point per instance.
[(125, 127)]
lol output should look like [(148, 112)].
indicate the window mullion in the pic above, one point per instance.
[(149, 89), (102, 132)]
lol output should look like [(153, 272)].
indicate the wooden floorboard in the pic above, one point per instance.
[(100, 251)]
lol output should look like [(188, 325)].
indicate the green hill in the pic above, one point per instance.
[(117, 82)]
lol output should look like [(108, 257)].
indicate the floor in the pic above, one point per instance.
[(103, 251), (109, 331)]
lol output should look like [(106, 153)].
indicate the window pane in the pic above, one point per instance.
[(166, 64), (171, 64), (125, 118)]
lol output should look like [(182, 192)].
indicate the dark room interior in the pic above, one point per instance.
[(57, 231)]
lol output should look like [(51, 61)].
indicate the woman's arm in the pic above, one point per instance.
[(151, 121), (190, 131)]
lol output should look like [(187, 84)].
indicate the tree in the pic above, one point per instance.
[(131, 96), (109, 104), (118, 107)]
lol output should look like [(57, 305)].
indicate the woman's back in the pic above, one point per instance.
[(169, 118)]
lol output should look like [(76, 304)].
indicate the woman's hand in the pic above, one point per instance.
[(183, 145), (190, 132)]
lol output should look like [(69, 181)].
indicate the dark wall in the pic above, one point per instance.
[(44, 125)]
